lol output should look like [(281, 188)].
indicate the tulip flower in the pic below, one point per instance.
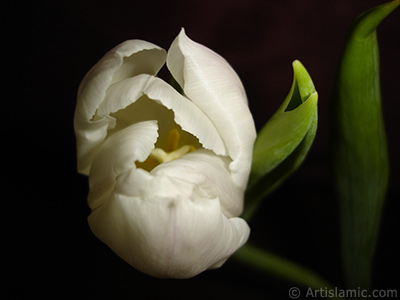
[(167, 170)]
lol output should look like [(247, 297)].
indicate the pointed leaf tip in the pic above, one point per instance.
[(304, 81), (366, 23)]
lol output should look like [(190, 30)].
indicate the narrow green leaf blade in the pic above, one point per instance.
[(360, 151)]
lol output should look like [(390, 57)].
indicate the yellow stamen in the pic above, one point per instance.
[(161, 156)]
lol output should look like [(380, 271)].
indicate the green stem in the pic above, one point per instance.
[(281, 268)]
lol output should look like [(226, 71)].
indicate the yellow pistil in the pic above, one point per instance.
[(173, 140), (172, 151)]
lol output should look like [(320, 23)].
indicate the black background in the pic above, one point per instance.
[(50, 45)]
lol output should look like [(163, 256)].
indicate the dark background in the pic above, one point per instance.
[(51, 252)]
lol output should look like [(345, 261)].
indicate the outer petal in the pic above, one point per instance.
[(167, 228), (209, 174), (209, 81), (126, 60)]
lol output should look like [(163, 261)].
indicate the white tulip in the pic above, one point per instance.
[(167, 171)]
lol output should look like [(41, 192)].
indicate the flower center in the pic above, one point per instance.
[(172, 151)]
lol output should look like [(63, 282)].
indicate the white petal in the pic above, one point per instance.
[(186, 114), (168, 236), (210, 82), (118, 156), (128, 59), (89, 137), (125, 60), (122, 94), (209, 176)]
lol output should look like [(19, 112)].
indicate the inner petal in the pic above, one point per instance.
[(182, 126), (160, 98), (146, 109), (172, 151), (172, 143)]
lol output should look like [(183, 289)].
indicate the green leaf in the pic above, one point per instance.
[(360, 152), (284, 141)]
